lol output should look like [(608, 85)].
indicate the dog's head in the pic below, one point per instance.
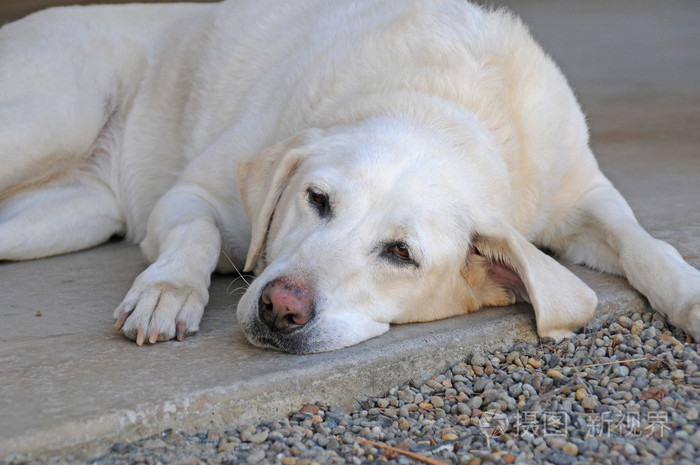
[(386, 222)]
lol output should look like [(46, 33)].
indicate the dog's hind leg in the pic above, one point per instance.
[(63, 74), (58, 218), (603, 233), (49, 117), (51, 121), (67, 76)]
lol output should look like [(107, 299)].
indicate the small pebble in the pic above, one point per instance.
[(589, 402), (570, 448), (629, 449), (626, 322), (677, 374), (556, 374), (475, 402)]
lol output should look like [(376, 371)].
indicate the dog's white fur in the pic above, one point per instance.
[(438, 126)]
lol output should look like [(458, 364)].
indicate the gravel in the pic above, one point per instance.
[(627, 392)]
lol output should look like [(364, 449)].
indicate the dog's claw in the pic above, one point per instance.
[(140, 337), (120, 321), (153, 336), (180, 329)]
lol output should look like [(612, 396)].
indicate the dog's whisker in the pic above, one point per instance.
[(240, 289), (223, 252)]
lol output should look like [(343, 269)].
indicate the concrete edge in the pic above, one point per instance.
[(411, 352)]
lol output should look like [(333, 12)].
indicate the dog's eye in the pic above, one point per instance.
[(319, 201), (399, 253)]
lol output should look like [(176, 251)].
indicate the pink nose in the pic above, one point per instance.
[(286, 304)]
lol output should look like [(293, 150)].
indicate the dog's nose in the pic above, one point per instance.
[(286, 304)]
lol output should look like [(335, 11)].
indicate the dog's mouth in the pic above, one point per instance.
[(301, 339)]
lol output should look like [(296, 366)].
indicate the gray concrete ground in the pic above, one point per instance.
[(66, 378)]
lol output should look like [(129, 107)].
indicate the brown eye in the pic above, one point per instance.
[(398, 254), (319, 201), (400, 251)]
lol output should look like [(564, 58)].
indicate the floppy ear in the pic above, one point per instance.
[(560, 299), (261, 180)]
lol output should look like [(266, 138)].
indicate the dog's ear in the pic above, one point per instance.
[(560, 299), (261, 180)]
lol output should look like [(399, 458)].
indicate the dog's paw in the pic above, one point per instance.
[(158, 310), (557, 334), (690, 321)]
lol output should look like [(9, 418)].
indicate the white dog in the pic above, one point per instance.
[(374, 161)]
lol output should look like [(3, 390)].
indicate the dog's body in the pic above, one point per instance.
[(396, 162)]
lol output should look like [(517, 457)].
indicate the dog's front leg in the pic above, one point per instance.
[(608, 237), (167, 300)]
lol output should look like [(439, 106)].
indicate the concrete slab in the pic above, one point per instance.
[(67, 379)]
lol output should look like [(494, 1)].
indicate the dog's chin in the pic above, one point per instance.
[(298, 341), (311, 338)]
